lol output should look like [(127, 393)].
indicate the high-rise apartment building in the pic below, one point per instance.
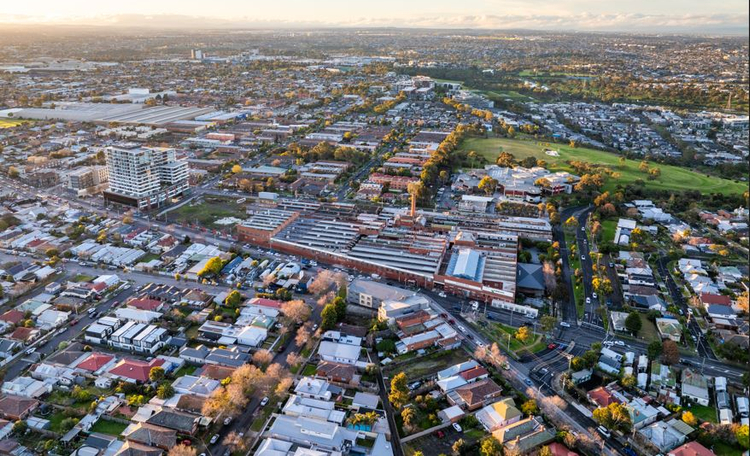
[(145, 176)]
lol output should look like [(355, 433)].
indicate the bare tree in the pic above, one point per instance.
[(297, 311), (303, 336), (182, 450), (293, 359), (262, 357), (321, 283), (235, 442)]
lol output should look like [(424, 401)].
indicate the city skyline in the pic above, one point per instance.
[(638, 16)]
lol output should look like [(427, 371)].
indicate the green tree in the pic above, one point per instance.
[(577, 364), (487, 185), (19, 427), (329, 316), (80, 394), (399, 394), (340, 305), (547, 322), (165, 391), (633, 322), (653, 351), (629, 381)]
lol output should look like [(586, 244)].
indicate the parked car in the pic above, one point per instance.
[(264, 401), (457, 427), (552, 346), (214, 439), (604, 431), (227, 420)]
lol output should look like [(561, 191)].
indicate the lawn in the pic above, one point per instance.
[(187, 369), (575, 263), (724, 449), (648, 330), (205, 213), (703, 412), (82, 278), (672, 177), (309, 370), (108, 427), (608, 229), (506, 95), (504, 335), (429, 364)]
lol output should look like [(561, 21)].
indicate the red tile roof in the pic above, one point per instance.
[(22, 333), (691, 449), (265, 302), (12, 316), (145, 303), (95, 362), (471, 374), (558, 449), (601, 396), (135, 369), (709, 298)]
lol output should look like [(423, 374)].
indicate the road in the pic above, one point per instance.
[(704, 349), (591, 303)]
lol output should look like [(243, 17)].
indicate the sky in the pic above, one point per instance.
[(700, 16)]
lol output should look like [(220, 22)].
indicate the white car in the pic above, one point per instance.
[(619, 343), (457, 427), (588, 300), (594, 295), (214, 439), (264, 401), (604, 431)]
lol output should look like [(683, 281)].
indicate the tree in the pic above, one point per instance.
[(321, 283), (505, 160), (340, 304), (490, 447), (68, 424), (293, 359), (545, 451), (633, 322), (689, 418), (165, 391), (212, 267), (653, 351), (602, 286), (262, 357), (236, 169), (670, 353), (487, 185), (329, 317), (156, 374), (742, 434), (302, 337), (233, 299), (530, 408), (577, 364), (629, 381), (399, 394), (643, 167), (458, 447), (182, 450), (523, 334), (407, 415), (571, 223), (615, 416), (547, 322), (297, 310), (654, 173), (80, 394), (235, 442)]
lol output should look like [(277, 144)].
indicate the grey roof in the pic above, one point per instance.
[(530, 276)]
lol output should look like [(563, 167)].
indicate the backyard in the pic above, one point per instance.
[(672, 177), (108, 427), (429, 364)]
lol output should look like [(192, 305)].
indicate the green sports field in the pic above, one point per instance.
[(672, 177)]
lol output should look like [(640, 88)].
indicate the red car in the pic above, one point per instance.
[(552, 346), (440, 434), (74, 322)]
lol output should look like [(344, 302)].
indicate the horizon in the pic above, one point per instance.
[(640, 16)]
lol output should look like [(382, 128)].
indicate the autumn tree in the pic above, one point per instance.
[(399, 394), (293, 359), (458, 447), (487, 185), (490, 447), (529, 407), (233, 299), (156, 374), (236, 169), (670, 353), (547, 322), (689, 418), (615, 416), (235, 442), (408, 415), (506, 160), (523, 334)]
